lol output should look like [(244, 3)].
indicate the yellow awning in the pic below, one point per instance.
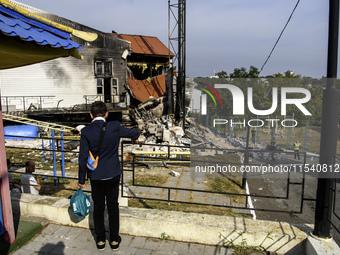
[(15, 53)]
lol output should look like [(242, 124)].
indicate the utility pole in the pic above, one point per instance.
[(329, 128)]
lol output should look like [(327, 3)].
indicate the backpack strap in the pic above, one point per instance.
[(101, 138)]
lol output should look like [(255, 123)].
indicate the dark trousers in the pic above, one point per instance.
[(296, 153), (106, 190)]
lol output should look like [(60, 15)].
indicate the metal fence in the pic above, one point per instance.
[(25, 103)]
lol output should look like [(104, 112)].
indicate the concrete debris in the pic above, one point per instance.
[(160, 129), (157, 128), (174, 173)]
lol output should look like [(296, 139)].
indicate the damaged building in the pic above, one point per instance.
[(148, 64), (117, 69)]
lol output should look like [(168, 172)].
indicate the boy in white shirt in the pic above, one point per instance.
[(29, 183)]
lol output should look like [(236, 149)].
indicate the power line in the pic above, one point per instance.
[(278, 39)]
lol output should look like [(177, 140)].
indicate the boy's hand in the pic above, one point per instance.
[(81, 186)]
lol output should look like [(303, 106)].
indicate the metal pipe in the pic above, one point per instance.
[(62, 154), (54, 158)]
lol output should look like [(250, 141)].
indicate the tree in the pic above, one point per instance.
[(242, 72), (222, 74)]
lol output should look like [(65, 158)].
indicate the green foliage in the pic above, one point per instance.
[(164, 237), (262, 96), (222, 74), (243, 73), (243, 248)]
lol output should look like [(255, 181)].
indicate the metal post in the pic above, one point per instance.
[(51, 152), (54, 158), (180, 89), (5, 197), (43, 150), (62, 154), (329, 127), (246, 160)]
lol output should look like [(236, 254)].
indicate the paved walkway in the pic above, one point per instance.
[(65, 240)]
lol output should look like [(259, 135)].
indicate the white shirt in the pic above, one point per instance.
[(26, 180), (98, 118)]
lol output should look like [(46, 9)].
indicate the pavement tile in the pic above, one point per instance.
[(32, 246), (23, 252), (83, 252), (126, 240), (50, 239), (167, 246), (77, 232), (143, 252), (166, 253), (226, 251), (211, 250), (50, 229), (78, 241), (43, 238), (47, 248), (196, 249), (85, 235), (152, 244), (125, 251), (184, 185), (61, 232), (59, 249), (138, 242), (181, 248)]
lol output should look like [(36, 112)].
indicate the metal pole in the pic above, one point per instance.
[(180, 88), (246, 159), (54, 158), (5, 197), (329, 127), (43, 150), (62, 154)]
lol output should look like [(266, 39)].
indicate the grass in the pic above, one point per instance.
[(150, 179), (24, 232), (67, 187), (224, 184), (187, 208)]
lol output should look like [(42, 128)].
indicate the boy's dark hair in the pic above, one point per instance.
[(98, 109)]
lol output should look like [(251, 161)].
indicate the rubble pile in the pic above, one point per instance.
[(160, 129), (157, 128)]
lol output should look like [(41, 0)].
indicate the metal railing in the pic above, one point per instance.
[(25, 103), (137, 159)]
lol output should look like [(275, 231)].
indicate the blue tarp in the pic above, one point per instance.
[(21, 132)]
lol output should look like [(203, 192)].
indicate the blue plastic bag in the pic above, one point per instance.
[(80, 203)]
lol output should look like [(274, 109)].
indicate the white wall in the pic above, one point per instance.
[(65, 78)]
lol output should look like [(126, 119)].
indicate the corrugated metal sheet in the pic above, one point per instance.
[(14, 24), (143, 89), (149, 45)]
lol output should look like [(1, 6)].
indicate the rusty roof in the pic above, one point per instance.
[(143, 89), (142, 44)]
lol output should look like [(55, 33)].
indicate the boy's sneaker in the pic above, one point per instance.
[(114, 245), (101, 246)]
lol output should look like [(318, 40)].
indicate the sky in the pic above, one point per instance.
[(220, 34)]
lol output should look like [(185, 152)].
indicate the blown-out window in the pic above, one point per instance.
[(100, 86), (114, 85), (103, 68)]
